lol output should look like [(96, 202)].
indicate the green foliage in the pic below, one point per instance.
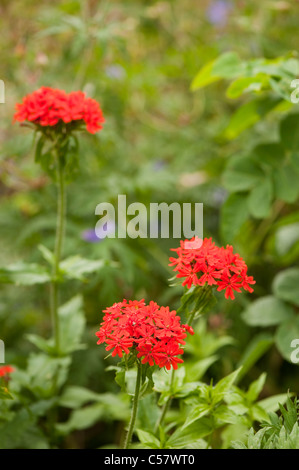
[(231, 142), (280, 433)]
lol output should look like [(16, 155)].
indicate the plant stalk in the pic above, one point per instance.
[(60, 227), (134, 409)]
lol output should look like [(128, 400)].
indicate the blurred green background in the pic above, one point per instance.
[(161, 142)]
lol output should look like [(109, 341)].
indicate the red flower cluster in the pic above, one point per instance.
[(48, 106), (4, 370), (201, 262), (154, 332)]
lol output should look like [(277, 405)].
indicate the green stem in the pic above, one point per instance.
[(60, 224), (168, 401), (134, 409)]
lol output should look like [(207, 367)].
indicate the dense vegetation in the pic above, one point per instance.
[(197, 99)]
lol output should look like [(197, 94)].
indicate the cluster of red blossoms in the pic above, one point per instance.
[(49, 106), (154, 332), (201, 262), (4, 370)]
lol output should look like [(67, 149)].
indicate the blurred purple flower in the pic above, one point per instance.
[(159, 165), (218, 11), (89, 236), (115, 71)]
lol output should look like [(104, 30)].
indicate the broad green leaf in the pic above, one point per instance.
[(74, 397), (72, 324), (241, 174), (46, 374), (286, 237), (260, 199), (199, 411), (148, 439), (268, 155), (183, 435), (75, 266), (286, 333), (23, 274), (248, 114), (228, 65), (289, 132), (234, 213), (204, 77), (267, 311), (285, 285), (286, 183), (108, 407), (246, 84)]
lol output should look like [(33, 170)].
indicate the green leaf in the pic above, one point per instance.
[(286, 183), (183, 436), (271, 404), (5, 394), (256, 387), (72, 324), (227, 65), (285, 334), (23, 274), (248, 114), (75, 266), (241, 174), (74, 397), (289, 132), (22, 433), (108, 407), (268, 155), (260, 199), (254, 351), (246, 84), (286, 237), (199, 411), (47, 254), (45, 375), (285, 285), (224, 385), (267, 311), (234, 213), (148, 439), (204, 77)]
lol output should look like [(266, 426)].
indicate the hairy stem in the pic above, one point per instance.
[(60, 224), (134, 409)]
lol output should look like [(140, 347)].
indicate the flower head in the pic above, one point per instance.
[(50, 107), (4, 370), (201, 262), (153, 332)]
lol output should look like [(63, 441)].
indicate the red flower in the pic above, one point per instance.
[(154, 332), (201, 262), (50, 106), (4, 370)]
